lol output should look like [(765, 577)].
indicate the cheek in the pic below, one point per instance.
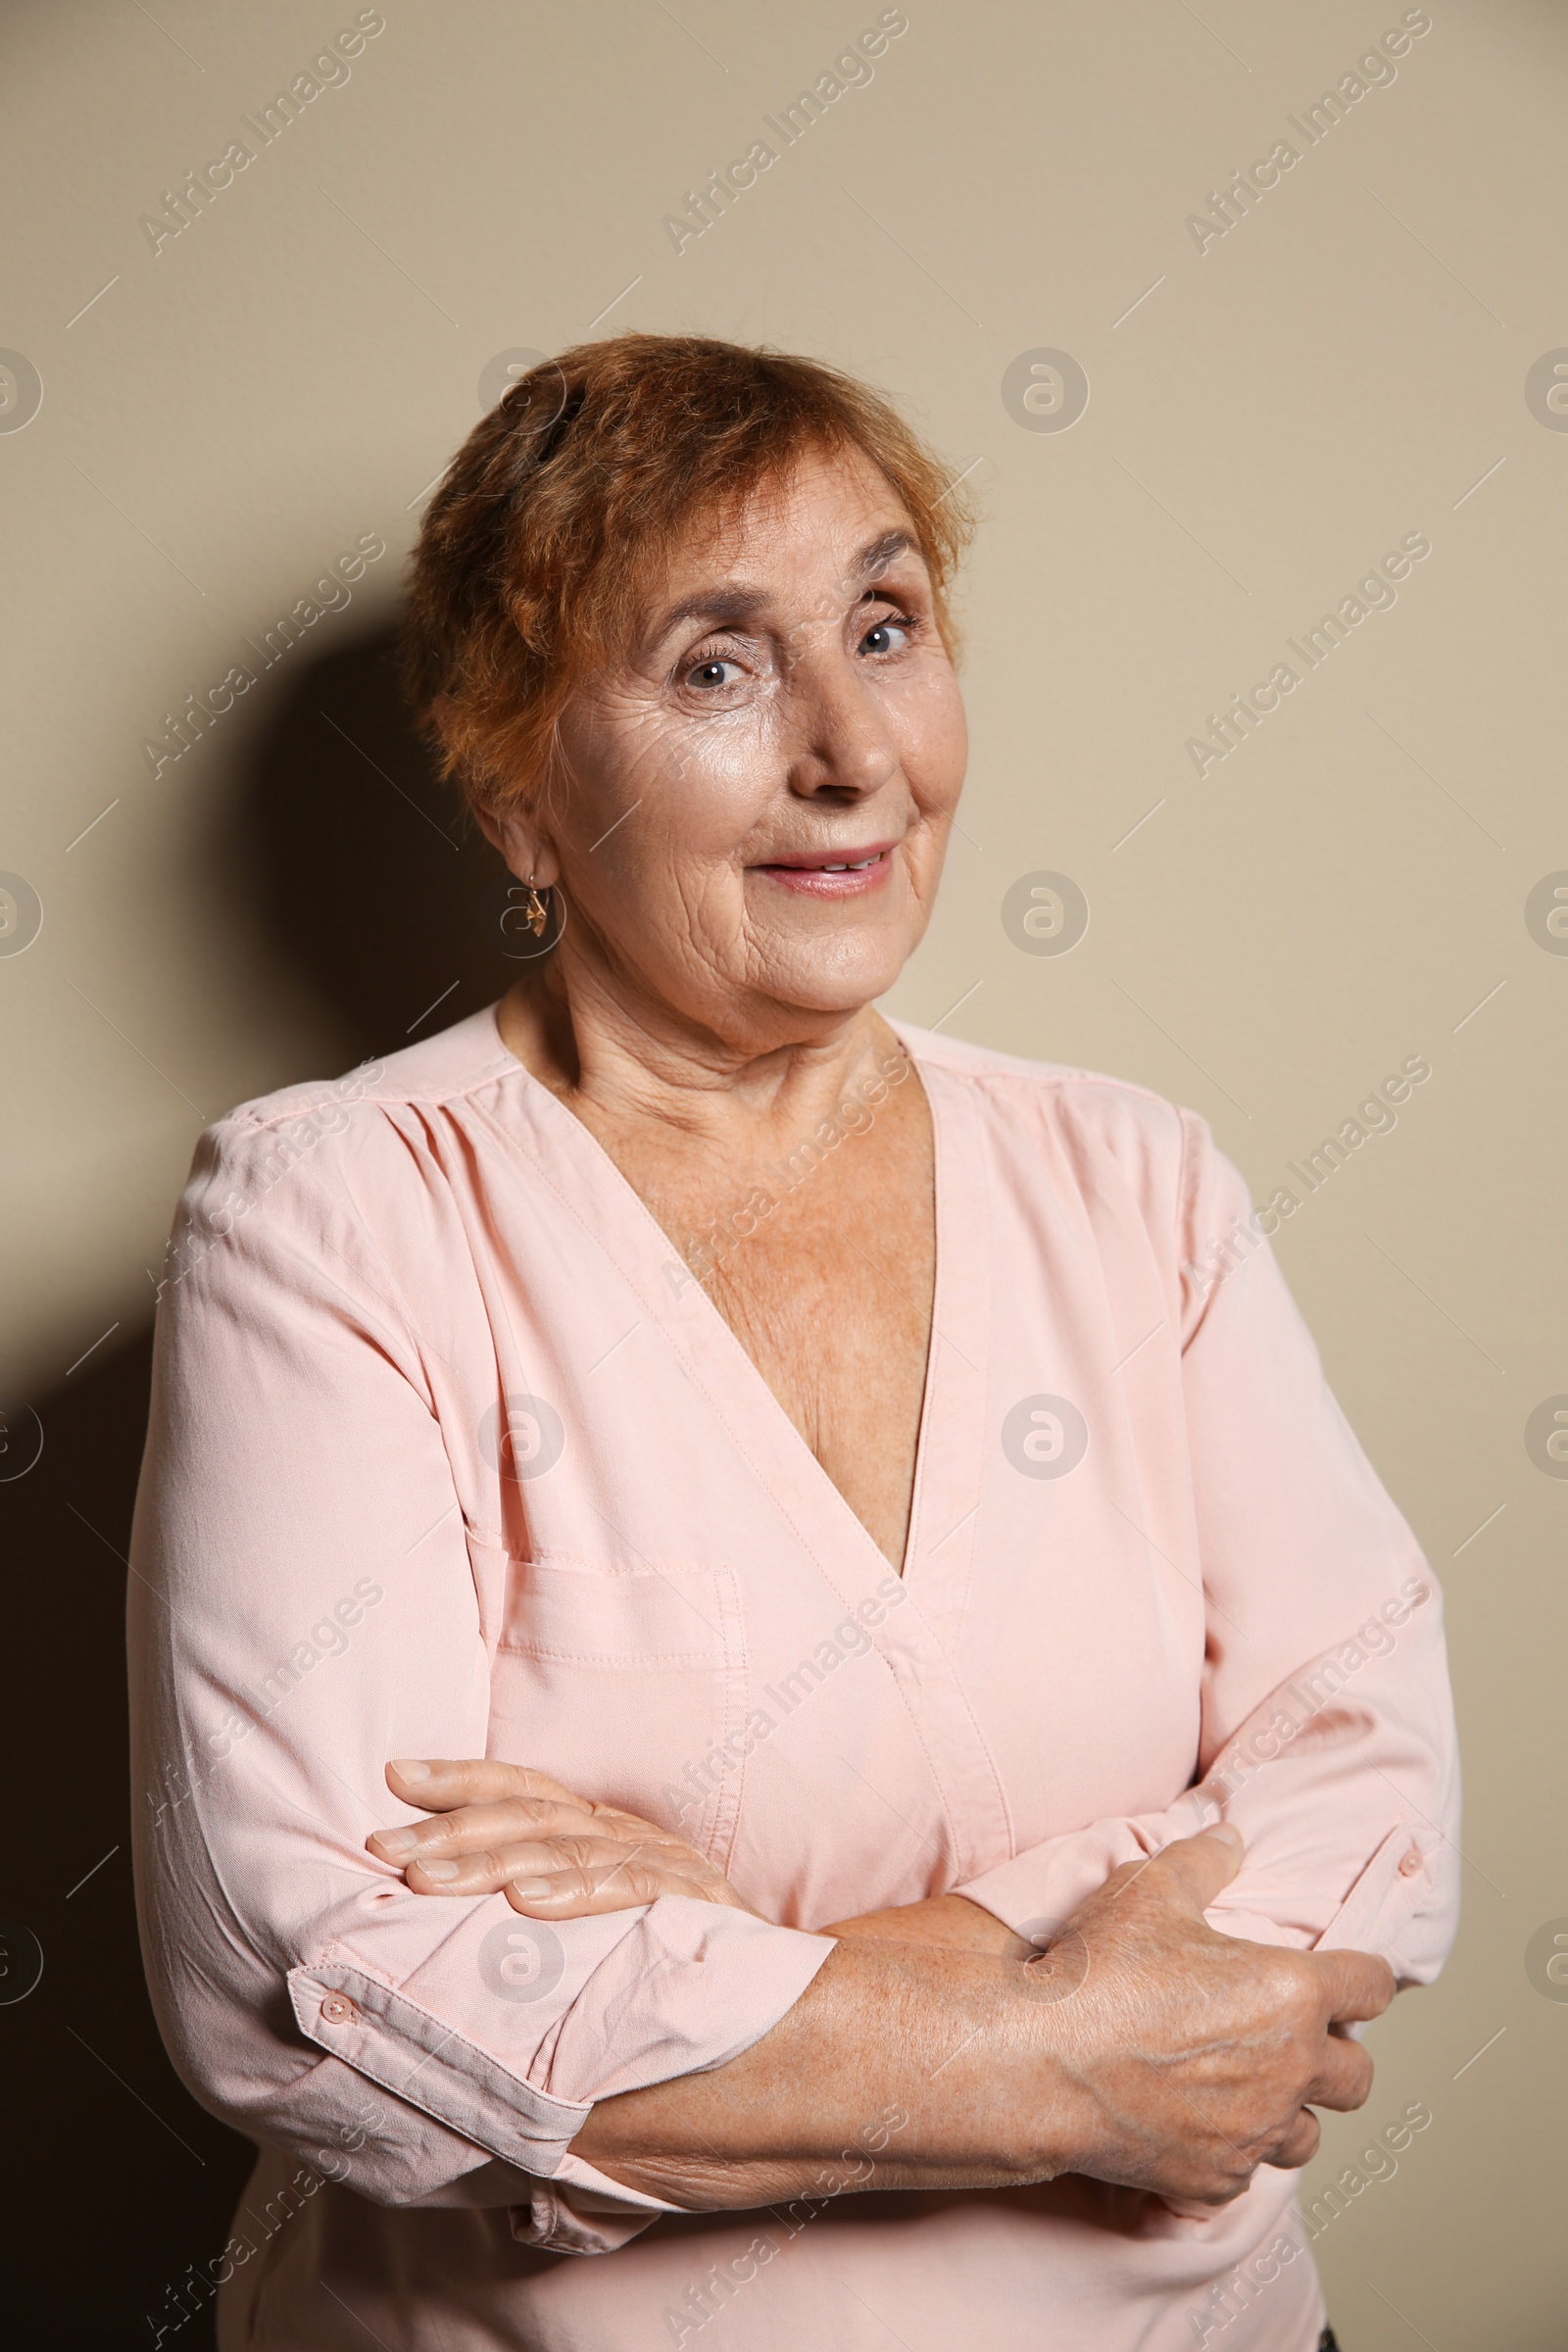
[(654, 804), (720, 780), (928, 723), (659, 848)]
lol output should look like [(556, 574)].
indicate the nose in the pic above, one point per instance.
[(842, 747)]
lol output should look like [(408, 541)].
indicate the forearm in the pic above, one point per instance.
[(948, 2043), (949, 1920), (1138, 2046)]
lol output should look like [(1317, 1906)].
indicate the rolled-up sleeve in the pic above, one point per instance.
[(302, 1609), (1327, 1723)]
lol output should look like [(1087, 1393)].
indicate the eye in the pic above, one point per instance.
[(717, 670), (887, 637)]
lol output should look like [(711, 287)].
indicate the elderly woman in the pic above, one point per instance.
[(760, 1653)]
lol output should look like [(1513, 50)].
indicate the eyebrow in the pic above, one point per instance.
[(880, 552), (729, 604)]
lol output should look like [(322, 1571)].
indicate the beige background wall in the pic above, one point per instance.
[(1268, 416)]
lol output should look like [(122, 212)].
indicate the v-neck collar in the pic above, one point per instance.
[(918, 1642), (939, 1543)]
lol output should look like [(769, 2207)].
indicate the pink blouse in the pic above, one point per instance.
[(451, 1455)]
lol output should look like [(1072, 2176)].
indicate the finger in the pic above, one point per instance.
[(1189, 1870), (595, 1861), (1344, 2075), (438, 1783), (485, 1870), (445, 1786), (1359, 1984), (472, 1827), (478, 1829), (1300, 2144), (582, 1893)]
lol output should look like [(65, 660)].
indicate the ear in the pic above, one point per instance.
[(527, 849)]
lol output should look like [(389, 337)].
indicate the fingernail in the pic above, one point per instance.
[(409, 1768), (531, 1889), (438, 1870), (395, 1843)]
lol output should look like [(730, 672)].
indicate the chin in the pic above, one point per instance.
[(837, 975)]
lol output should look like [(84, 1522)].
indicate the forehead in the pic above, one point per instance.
[(830, 513)]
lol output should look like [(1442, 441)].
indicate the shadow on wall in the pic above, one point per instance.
[(366, 880), (114, 2181), (362, 871)]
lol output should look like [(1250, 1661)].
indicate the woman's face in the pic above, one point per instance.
[(757, 792)]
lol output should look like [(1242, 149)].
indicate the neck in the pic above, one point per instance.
[(618, 1058)]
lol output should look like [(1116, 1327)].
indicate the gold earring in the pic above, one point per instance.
[(535, 914)]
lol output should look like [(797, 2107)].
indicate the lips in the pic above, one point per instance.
[(831, 861), (833, 873)]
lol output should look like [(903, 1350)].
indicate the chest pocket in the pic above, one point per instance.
[(629, 1685)]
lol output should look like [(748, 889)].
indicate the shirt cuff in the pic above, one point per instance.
[(581, 2211), (685, 1987), (1037, 1890)]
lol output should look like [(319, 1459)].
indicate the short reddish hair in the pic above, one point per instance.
[(560, 505)]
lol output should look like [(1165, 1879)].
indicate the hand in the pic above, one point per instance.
[(1141, 2048), (505, 1829), (617, 1859), (1196, 2056)]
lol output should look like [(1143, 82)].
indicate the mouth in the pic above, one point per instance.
[(833, 874)]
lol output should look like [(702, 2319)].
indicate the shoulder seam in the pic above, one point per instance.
[(345, 1210), (253, 1115)]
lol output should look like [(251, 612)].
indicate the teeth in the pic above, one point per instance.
[(858, 865)]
